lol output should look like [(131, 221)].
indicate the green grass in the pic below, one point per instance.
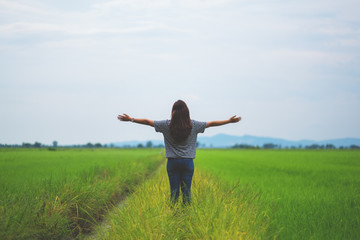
[(60, 194), (310, 194), (237, 194)]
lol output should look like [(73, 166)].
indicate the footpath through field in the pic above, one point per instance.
[(218, 211)]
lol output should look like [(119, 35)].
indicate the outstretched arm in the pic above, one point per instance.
[(127, 118), (233, 119)]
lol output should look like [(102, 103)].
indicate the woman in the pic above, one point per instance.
[(180, 134)]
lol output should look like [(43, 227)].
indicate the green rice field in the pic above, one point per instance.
[(124, 194), (62, 194), (310, 194)]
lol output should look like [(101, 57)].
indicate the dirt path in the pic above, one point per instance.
[(102, 227)]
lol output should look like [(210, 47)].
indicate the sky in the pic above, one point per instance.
[(289, 68)]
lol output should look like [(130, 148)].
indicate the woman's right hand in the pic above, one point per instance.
[(124, 117)]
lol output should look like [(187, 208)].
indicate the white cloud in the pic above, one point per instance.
[(346, 42), (13, 7), (339, 30), (67, 28), (132, 4), (159, 4), (296, 57)]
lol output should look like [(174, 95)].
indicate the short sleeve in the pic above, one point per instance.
[(161, 126), (199, 126)]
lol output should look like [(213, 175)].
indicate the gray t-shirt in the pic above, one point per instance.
[(183, 150)]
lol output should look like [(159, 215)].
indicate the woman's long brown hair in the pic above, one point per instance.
[(180, 124)]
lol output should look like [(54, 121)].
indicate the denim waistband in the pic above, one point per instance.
[(180, 159)]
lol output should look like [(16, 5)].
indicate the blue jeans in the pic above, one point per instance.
[(180, 172)]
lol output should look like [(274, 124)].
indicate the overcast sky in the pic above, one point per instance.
[(68, 68)]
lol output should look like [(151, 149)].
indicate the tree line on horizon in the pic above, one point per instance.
[(275, 146), (149, 144)]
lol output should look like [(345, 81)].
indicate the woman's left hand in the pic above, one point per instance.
[(234, 119)]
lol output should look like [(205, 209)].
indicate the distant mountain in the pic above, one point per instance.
[(224, 140)]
